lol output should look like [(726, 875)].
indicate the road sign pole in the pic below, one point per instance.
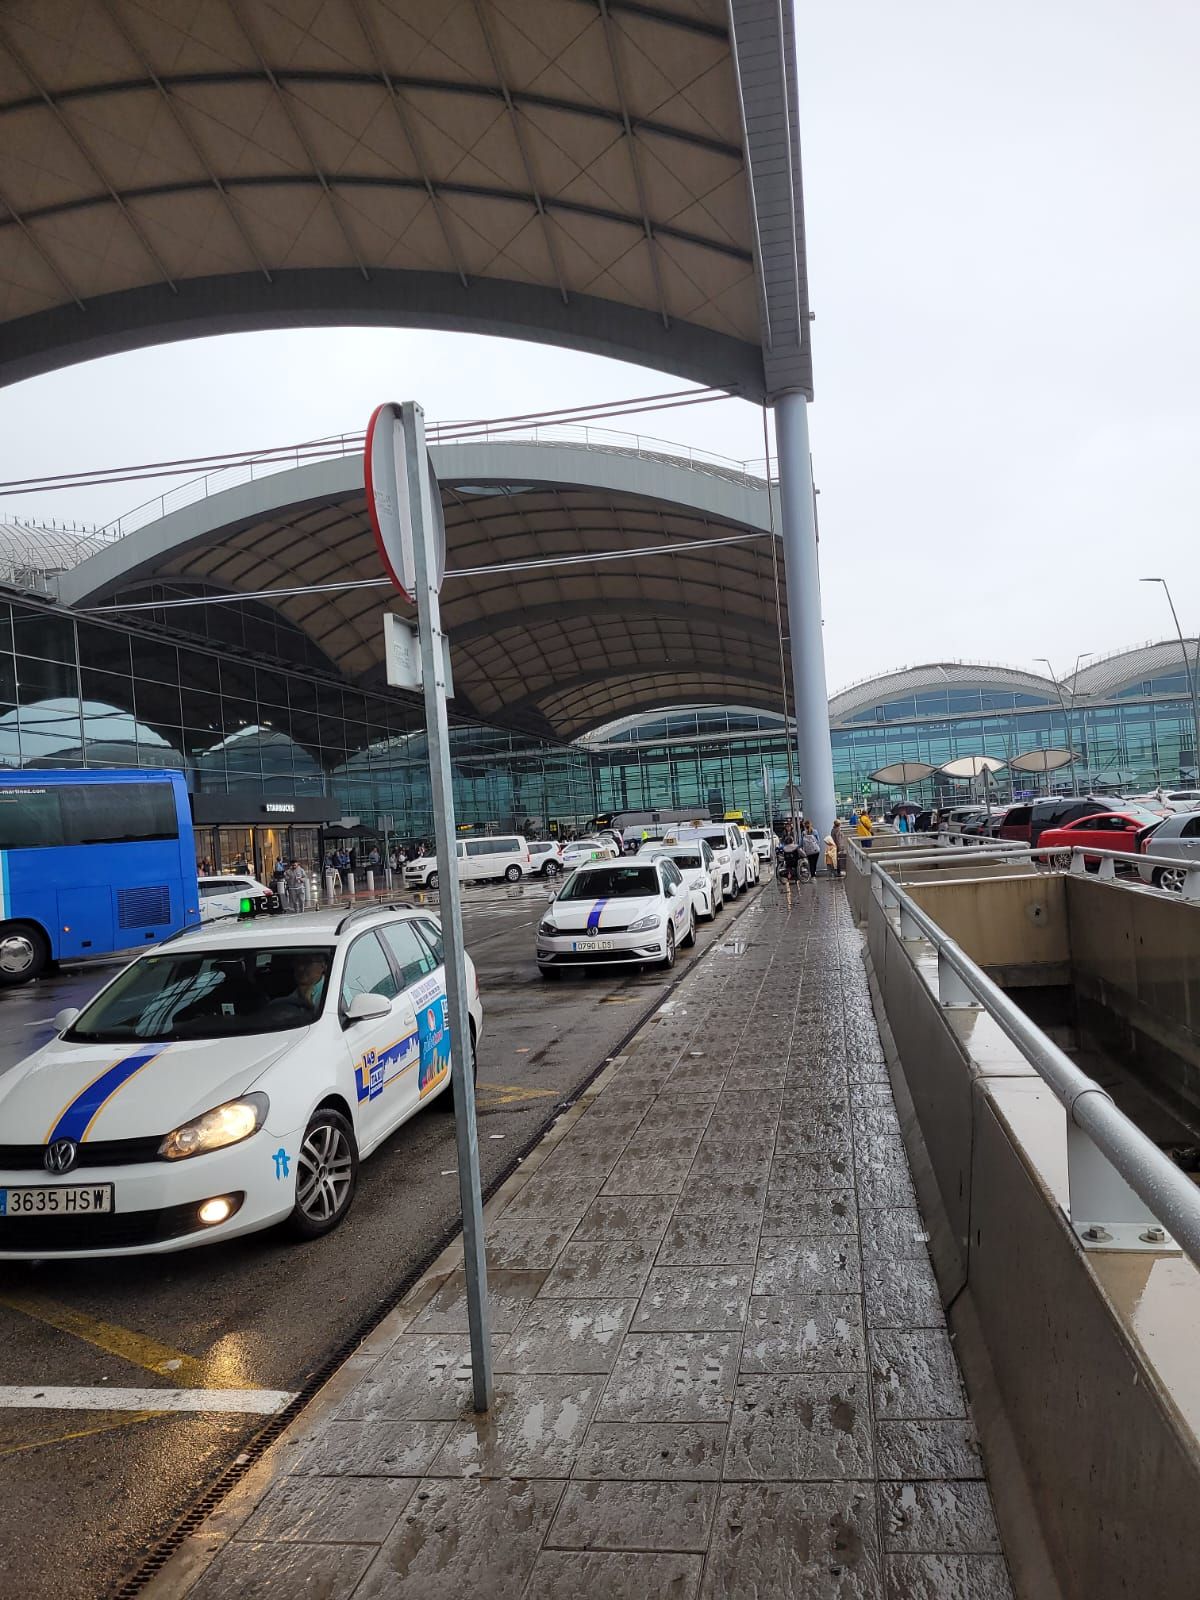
[(433, 668)]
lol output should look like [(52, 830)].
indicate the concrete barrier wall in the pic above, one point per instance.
[(1009, 924), (1108, 1443)]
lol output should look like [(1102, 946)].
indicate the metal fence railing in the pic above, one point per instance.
[(1124, 1192)]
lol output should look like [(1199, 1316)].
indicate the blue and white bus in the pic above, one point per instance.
[(91, 862)]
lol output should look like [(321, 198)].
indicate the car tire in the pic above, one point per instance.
[(513, 873), (668, 961), (733, 890), (445, 1101), (1170, 878), (551, 869), (690, 939), (24, 953), (326, 1174), (431, 882)]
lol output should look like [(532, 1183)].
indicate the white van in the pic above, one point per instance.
[(729, 846), (505, 856)]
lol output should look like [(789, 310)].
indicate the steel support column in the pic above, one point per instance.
[(798, 532)]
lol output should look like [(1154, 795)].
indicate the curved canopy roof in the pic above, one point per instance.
[(907, 681), (620, 176), (560, 647), (1147, 661)]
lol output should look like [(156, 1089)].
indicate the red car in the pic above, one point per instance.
[(1123, 830)]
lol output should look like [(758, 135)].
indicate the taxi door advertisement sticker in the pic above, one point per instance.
[(435, 1044)]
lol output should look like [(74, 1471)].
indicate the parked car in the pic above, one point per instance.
[(617, 913), (1125, 831), (222, 896), (1025, 823), (701, 872), (752, 858), (501, 856), (763, 840), (1179, 838), (545, 857), (230, 1079), (581, 850)]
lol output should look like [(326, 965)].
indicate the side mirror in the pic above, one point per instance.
[(64, 1018), (367, 1008)]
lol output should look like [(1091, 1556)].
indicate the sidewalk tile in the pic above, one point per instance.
[(533, 1430), (509, 1294), (461, 1537), (374, 1449), (821, 1264), (329, 1510), (641, 1217), (648, 1175), (802, 1541), (672, 1377), (555, 1199), (264, 1571), (927, 1450), (929, 1518), (945, 1577), (694, 1299), (709, 1241), (915, 1375), (613, 1515), (422, 1378), (563, 1336), (571, 1575), (800, 1428), (724, 1196), (532, 1245), (804, 1333), (819, 1169), (800, 1213), (652, 1450), (897, 1233), (902, 1294), (599, 1269)]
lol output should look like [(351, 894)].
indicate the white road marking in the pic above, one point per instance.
[(99, 1397)]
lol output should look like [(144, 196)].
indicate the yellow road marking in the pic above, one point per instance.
[(138, 1348), (506, 1093), (79, 1433)]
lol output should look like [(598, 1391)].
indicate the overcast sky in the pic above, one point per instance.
[(1004, 252)]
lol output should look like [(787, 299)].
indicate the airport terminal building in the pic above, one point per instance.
[(282, 750)]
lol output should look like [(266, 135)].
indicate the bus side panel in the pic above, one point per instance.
[(85, 921), (187, 914), (28, 897)]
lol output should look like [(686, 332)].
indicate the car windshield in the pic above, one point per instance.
[(685, 858), (587, 844), (717, 840), (209, 994), (611, 883), (1142, 814)]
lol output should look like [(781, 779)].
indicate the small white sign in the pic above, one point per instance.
[(402, 655)]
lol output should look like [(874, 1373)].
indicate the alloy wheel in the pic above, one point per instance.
[(325, 1172)]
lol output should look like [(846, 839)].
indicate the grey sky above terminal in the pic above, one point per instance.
[(1002, 253)]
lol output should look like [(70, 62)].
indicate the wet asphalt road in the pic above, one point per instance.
[(85, 1494)]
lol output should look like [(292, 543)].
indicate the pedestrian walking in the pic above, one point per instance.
[(811, 847), (791, 854), (296, 883)]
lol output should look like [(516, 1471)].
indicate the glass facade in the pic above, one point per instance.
[(78, 693)]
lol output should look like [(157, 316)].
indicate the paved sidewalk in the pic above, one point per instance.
[(722, 1364)]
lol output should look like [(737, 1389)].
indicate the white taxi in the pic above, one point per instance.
[(232, 1078), (222, 896), (617, 913), (581, 850), (700, 870)]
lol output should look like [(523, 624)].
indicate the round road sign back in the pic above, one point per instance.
[(385, 474)]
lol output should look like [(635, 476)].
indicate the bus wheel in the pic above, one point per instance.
[(24, 952)]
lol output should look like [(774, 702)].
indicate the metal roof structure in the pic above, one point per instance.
[(32, 554), (561, 646), (1111, 674), (905, 681), (619, 176)]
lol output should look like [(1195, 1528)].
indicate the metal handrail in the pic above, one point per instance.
[(1168, 1193), (1080, 855)]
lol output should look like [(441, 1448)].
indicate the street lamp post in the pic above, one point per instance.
[(1066, 715), (1189, 674)]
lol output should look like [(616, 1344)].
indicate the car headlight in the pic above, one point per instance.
[(644, 924), (214, 1130), (550, 929), (700, 881)]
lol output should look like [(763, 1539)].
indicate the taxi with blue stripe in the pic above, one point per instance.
[(231, 1079), (630, 912)]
